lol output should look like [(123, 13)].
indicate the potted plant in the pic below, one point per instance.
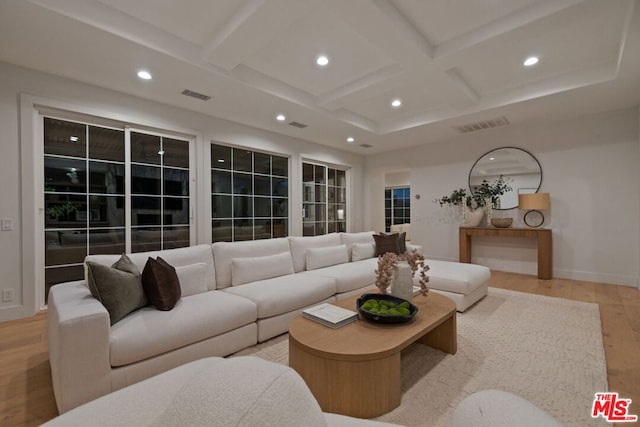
[(484, 198)]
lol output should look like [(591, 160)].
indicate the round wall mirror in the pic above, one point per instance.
[(521, 170)]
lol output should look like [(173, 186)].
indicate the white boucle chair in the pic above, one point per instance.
[(497, 408), (213, 392)]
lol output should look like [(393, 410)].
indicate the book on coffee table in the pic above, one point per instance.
[(330, 315)]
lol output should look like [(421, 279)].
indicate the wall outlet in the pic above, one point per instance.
[(7, 224), (7, 295)]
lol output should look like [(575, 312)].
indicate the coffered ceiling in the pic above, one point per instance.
[(452, 63)]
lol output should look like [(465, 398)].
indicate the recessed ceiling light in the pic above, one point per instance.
[(145, 75), (351, 139), (396, 103), (322, 60), (281, 117), (532, 60), (492, 158)]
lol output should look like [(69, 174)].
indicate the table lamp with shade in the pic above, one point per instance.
[(534, 203)]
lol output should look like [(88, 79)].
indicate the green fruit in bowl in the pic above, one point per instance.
[(404, 311)]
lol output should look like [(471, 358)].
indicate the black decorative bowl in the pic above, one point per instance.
[(384, 318)]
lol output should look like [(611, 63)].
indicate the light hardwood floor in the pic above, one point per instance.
[(26, 396)]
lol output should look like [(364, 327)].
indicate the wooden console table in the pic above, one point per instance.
[(542, 235)]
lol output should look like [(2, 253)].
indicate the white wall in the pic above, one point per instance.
[(398, 179), (590, 168), (16, 247)]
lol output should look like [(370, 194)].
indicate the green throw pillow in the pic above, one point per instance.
[(118, 288)]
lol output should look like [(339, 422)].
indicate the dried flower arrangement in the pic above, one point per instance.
[(388, 265)]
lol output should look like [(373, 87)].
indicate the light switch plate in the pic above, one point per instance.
[(7, 224)]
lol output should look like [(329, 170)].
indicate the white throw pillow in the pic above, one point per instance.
[(247, 270), (193, 278), (324, 257), (360, 251)]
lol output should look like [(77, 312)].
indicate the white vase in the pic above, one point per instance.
[(474, 217), (402, 285)]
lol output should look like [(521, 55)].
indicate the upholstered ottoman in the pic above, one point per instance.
[(464, 283), (496, 408)]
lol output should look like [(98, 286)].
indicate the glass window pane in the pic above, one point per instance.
[(145, 148), (220, 182), (242, 207), (280, 228), (262, 185), (221, 207), (242, 160), (387, 204), (176, 182), (307, 172), (262, 229), (106, 144), (175, 237), (262, 163), (320, 212), (176, 153), (279, 166), (220, 157), (221, 231), (145, 210), (308, 229), (146, 239), (106, 241), (65, 175), (320, 193), (262, 206), (65, 247), (319, 174), (387, 194), (341, 178), (309, 210), (243, 229), (280, 207), (106, 211), (242, 183), (280, 187), (106, 178), (320, 228), (65, 211), (176, 210), (65, 138), (331, 177), (145, 180)]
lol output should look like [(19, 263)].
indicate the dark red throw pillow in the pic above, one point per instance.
[(386, 243), (160, 283)]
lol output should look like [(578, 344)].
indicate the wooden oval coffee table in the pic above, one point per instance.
[(355, 370)]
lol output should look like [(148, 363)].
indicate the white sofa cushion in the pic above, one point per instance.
[(148, 332), (324, 257), (225, 252), (350, 239), (246, 270), (299, 246), (193, 278), (348, 276), (360, 251), (180, 257), (285, 293)]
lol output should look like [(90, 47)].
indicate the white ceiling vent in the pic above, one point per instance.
[(366, 145), (196, 95), (485, 124), (297, 125)]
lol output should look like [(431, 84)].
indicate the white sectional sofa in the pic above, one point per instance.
[(233, 296)]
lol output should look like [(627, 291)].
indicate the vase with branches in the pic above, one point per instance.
[(388, 266)]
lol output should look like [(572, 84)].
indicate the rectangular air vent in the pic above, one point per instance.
[(485, 124), (366, 145), (196, 95), (297, 125)]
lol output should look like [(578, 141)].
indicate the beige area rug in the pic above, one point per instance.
[(547, 350)]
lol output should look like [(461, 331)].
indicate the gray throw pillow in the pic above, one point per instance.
[(402, 242), (386, 243), (118, 288)]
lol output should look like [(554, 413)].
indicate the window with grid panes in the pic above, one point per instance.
[(85, 195), (397, 203), (324, 199), (249, 194)]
